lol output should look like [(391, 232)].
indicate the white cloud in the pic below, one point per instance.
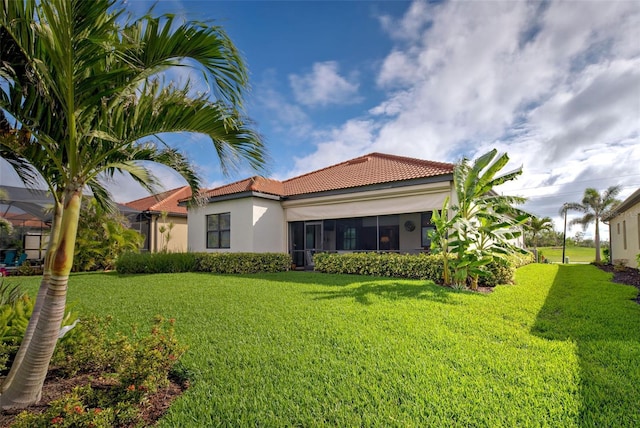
[(411, 24), (337, 145), (324, 86), (282, 115), (556, 85)]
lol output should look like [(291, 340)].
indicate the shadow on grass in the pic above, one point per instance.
[(585, 307), (391, 290), (306, 277)]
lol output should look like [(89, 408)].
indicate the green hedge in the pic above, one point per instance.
[(239, 263), (418, 266), (502, 271), (156, 262), (243, 262)]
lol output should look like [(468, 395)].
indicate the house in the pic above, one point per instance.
[(624, 230), (29, 211), (160, 214), (376, 202)]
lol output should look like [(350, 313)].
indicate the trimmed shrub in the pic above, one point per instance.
[(137, 366), (243, 263), (502, 271), (237, 263), (417, 266), (156, 263)]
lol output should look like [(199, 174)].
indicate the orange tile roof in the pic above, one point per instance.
[(165, 201), (252, 184), (24, 220), (374, 168)]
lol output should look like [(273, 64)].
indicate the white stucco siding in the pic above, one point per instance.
[(268, 227), (379, 202), (625, 235), (241, 211)]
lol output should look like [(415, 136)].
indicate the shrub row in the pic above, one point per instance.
[(156, 262), (241, 263), (502, 271), (237, 263), (417, 266)]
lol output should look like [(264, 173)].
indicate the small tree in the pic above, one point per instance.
[(102, 237), (536, 226), (5, 226), (595, 206), (165, 231), (82, 84)]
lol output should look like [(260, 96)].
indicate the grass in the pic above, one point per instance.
[(575, 254), (561, 348)]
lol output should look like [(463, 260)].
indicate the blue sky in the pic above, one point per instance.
[(556, 85)]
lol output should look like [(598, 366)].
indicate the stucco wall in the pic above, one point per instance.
[(257, 225), (629, 222), (178, 237), (268, 227)]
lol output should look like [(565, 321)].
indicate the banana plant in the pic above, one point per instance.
[(482, 224)]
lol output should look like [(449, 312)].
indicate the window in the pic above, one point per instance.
[(349, 239), (427, 227), (219, 230), (624, 233)]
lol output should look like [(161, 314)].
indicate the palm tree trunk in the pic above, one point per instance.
[(44, 285), (597, 239), (26, 387)]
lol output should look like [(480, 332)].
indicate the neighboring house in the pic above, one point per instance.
[(29, 211), (624, 230), (377, 202), (157, 213)]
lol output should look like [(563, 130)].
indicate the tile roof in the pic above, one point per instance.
[(252, 184), (165, 201), (24, 220), (374, 168)]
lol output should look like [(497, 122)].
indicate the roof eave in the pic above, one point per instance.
[(631, 201), (374, 187)]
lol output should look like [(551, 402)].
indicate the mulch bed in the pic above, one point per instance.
[(628, 276), (56, 387)]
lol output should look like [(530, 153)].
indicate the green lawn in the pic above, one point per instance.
[(575, 254), (561, 348)]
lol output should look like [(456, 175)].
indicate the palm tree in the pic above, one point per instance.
[(82, 83), (595, 206), (537, 225)]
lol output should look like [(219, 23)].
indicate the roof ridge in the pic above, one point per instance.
[(231, 184), (410, 159), (255, 179), (315, 171), (169, 195), (157, 195)]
